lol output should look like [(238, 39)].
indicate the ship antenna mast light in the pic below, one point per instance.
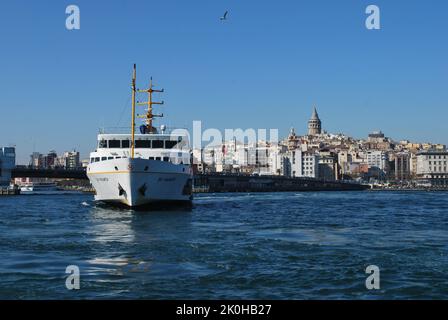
[(149, 117)]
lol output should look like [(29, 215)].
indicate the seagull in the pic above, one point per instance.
[(224, 17)]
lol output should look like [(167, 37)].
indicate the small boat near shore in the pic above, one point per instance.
[(40, 188)]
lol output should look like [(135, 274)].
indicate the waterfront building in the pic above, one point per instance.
[(233, 156), (377, 162), (242, 156), (358, 169), (310, 164), (290, 164), (402, 166), (36, 160), (50, 160), (314, 124), (300, 163), (60, 162), (377, 159), (413, 164), (7, 163), (275, 160), (328, 165), (432, 167), (72, 160), (199, 165), (344, 161), (209, 159)]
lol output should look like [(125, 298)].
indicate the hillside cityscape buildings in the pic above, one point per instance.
[(68, 160), (318, 154)]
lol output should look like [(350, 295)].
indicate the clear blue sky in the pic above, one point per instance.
[(263, 68)]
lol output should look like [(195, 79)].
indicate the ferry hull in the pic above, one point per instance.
[(140, 182)]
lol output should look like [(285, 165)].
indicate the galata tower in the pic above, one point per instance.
[(314, 124)]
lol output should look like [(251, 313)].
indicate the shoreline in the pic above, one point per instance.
[(410, 189)]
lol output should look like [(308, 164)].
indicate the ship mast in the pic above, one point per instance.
[(149, 116), (133, 111)]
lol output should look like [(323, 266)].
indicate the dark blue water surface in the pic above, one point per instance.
[(248, 246)]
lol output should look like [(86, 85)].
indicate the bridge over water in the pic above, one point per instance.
[(216, 182), (20, 172)]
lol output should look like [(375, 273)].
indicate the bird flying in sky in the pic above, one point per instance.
[(224, 17)]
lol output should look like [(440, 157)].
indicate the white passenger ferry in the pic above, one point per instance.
[(141, 169), (39, 187)]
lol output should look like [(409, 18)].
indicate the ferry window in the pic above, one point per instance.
[(97, 159), (110, 158), (166, 159), (143, 143), (158, 158), (157, 144), (117, 157), (92, 160), (103, 158), (102, 144), (169, 144), (114, 143), (125, 143)]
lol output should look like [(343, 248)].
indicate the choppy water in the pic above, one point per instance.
[(249, 246)]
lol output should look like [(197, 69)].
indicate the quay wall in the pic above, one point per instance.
[(215, 182), (5, 191), (244, 183)]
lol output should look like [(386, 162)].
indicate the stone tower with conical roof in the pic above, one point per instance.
[(314, 124)]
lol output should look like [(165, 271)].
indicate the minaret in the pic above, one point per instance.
[(314, 124)]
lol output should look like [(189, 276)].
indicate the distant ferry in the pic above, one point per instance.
[(140, 169), (38, 187)]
